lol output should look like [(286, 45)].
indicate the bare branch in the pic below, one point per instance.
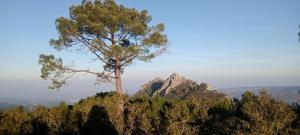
[(90, 72)]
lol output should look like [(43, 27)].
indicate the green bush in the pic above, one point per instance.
[(252, 114)]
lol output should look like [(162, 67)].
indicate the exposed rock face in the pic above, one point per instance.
[(151, 87), (173, 81), (163, 87), (178, 87)]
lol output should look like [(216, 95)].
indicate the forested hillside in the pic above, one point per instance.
[(252, 114), (290, 94)]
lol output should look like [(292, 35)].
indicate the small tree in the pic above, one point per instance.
[(299, 34), (113, 34), (265, 114)]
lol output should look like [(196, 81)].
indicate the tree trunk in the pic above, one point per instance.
[(120, 103), (118, 81)]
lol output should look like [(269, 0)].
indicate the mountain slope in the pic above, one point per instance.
[(151, 87), (286, 93), (177, 87), (172, 82)]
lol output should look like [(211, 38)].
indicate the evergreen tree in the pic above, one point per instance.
[(265, 114), (16, 122), (114, 34)]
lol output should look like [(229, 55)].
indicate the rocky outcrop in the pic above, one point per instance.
[(170, 83), (178, 87), (151, 87), (164, 87)]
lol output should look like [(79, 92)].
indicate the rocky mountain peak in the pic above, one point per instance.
[(174, 76), (176, 86), (171, 82), (156, 82), (162, 87), (152, 86)]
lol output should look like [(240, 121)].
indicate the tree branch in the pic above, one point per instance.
[(129, 60), (88, 45), (90, 72)]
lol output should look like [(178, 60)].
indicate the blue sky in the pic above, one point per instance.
[(226, 43)]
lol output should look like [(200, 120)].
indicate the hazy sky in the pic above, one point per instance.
[(224, 42)]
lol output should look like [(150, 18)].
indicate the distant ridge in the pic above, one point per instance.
[(290, 94)]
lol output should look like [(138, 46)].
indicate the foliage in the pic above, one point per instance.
[(193, 90), (16, 122), (296, 122), (144, 115), (252, 114), (113, 34), (53, 120), (179, 117), (265, 114), (106, 103)]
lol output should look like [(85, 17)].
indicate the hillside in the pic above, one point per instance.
[(288, 94), (178, 87), (98, 114)]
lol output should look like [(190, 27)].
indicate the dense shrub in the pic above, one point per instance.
[(252, 114)]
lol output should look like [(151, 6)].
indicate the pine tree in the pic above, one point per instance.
[(114, 34)]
